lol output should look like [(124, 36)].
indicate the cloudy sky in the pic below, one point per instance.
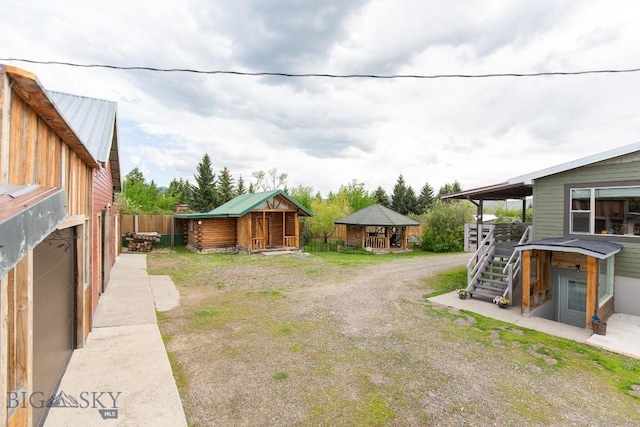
[(325, 132)]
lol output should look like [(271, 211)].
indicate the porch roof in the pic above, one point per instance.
[(595, 248), (502, 191)]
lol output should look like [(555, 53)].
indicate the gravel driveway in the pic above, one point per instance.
[(316, 344)]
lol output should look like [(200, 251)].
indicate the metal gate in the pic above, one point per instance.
[(53, 312)]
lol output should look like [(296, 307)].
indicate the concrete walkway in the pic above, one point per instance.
[(623, 331), (122, 377)]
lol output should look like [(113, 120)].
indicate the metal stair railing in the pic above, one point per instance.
[(514, 263), (482, 256)]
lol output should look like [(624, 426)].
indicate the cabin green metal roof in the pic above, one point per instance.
[(243, 204), (377, 215)]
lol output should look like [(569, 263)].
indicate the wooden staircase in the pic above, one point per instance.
[(492, 282), (494, 270)]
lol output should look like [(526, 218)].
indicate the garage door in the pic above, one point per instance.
[(53, 311)]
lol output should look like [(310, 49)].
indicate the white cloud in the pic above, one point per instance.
[(325, 132)]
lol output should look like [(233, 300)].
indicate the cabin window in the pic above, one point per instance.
[(605, 210)]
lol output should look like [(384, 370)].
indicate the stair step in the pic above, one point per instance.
[(490, 295), (488, 289), (496, 282)]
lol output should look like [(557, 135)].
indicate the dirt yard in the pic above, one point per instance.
[(301, 341)]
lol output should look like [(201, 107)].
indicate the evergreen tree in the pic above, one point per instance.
[(411, 202), (426, 199), (225, 187), (180, 191), (449, 188), (403, 201), (252, 188), (203, 193), (240, 187), (381, 197)]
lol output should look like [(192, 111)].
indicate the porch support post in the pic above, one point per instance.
[(526, 280), (592, 290), (524, 210), (297, 229)]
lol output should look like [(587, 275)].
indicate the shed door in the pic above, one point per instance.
[(53, 312), (572, 301)]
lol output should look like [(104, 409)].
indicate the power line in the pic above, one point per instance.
[(328, 75)]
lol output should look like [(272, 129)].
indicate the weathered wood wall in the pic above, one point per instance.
[(37, 147)]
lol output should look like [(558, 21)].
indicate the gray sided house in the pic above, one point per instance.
[(253, 222), (581, 256), (378, 228)]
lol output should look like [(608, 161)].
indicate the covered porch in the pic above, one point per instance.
[(568, 280)]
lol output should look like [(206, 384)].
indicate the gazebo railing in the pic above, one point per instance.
[(375, 242)]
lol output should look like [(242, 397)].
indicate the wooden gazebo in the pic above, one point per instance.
[(378, 228)]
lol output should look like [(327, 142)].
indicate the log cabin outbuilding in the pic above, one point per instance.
[(579, 258), (378, 228), (253, 222), (46, 237)]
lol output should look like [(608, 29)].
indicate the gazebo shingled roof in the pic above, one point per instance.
[(377, 215)]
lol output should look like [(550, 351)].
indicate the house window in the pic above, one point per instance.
[(605, 210), (605, 282)]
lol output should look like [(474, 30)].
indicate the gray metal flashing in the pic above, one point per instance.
[(26, 219), (595, 248)]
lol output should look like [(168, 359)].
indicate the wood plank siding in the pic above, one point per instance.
[(38, 147), (550, 209)]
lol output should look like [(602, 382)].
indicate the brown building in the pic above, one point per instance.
[(47, 176)]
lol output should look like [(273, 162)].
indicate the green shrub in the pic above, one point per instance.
[(444, 228)]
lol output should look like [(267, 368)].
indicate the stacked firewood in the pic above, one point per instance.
[(141, 242)]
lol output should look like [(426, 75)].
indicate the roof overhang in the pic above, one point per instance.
[(594, 248), (27, 86), (502, 191), (28, 214)]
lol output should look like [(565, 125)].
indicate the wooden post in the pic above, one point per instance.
[(592, 290), (172, 230), (297, 229), (526, 280)]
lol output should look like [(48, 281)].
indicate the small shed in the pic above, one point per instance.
[(378, 228), (253, 222)]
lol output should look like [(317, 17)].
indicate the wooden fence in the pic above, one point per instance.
[(146, 223)]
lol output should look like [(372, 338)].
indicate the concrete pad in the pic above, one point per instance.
[(165, 293), (128, 299), (623, 330), (122, 376), (623, 335), (130, 360)]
